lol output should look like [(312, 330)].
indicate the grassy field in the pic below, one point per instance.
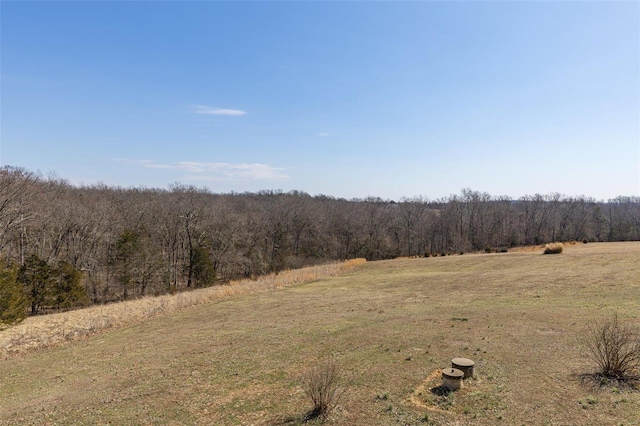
[(391, 325), (44, 331)]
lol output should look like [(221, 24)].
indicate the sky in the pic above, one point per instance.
[(348, 99)]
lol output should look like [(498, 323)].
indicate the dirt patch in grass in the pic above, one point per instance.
[(390, 325)]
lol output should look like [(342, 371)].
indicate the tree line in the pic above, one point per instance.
[(63, 245)]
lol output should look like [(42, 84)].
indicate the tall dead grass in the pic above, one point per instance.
[(48, 330), (555, 248)]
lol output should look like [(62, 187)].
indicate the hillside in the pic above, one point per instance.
[(109, 244), (391, 325)]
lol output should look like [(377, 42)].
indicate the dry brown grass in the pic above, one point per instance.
[(391, 325), (44, 331), (555, 248)]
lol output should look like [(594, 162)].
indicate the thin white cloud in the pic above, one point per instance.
[(322, 134), (200, 171), (207, 110)]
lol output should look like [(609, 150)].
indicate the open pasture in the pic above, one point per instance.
[(390, 325)]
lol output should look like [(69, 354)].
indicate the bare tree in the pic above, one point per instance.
[(17, 189)]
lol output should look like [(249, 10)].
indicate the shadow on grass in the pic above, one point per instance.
[(597, 380), (441, 391), (311, 417), (287, 421)]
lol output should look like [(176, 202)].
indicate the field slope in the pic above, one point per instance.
[(391, 326)]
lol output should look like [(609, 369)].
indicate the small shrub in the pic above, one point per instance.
[(585, 241), (588, 402), (504, 250), (615, 348), (382, 396), (552, 248), (323, 384), (487, 250)]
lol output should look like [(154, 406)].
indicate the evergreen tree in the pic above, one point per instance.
[(204, 273), (67, 290), (48, 286), (13, 302), (125, 250), (37, 277)]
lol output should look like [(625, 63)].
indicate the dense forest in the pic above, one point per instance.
[(64, 245)]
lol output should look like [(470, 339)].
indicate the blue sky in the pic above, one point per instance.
[(350, 99)]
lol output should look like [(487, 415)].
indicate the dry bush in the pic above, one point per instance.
[(553, 248), (324, 385), (615, 349), (48, 330), (351, 263)]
